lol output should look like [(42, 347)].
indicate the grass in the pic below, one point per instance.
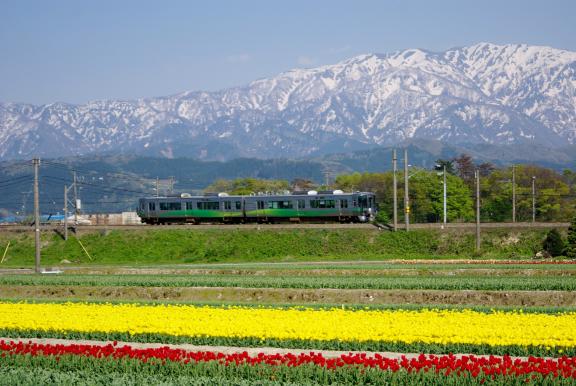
[(151, 246)]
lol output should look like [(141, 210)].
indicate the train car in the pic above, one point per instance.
[(263, 208)]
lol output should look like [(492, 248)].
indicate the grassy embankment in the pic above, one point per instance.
[(175, 246)]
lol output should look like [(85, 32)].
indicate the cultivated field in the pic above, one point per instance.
[(506, 317)]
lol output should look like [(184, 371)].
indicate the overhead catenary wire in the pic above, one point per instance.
[(16, 178), (109, 188), (110, 174)]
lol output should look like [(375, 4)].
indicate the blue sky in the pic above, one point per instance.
[(77, 51)]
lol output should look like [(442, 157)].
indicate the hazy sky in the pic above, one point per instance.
[(76, 51)]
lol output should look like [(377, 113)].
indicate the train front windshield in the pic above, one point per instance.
[(363, 202), (367, 202)]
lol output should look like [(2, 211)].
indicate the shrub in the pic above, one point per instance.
[(382, 217), (553, 243)]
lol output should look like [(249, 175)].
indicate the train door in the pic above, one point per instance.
[(251, 208), (363, 204), (152, 207)]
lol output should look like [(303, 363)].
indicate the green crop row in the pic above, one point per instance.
[(486, 271), (536, 283), (373, 265)]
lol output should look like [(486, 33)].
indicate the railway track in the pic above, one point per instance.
[(463, 226), (21, 228)]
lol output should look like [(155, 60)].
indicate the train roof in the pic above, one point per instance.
[(263, 195)]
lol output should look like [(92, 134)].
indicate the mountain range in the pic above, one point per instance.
[(484, 94)]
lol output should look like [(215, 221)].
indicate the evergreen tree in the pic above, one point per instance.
[(553, 244), (440, 163), (571, 242)]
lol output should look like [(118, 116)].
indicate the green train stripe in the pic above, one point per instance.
[(294, 213), (199, 214), (259, 213)]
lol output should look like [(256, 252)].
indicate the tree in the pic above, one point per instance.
[(486, 168), (465, 167), (571, 240), (246, 186), (553, 201), (303, 184), (553, 243), (440, 163)]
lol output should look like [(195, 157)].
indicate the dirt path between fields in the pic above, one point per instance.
[(292, 296), (338, 272), (253, 351)]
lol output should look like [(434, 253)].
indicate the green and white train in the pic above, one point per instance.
[(262, 208)]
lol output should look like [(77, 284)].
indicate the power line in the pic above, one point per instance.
[(18, 183), (16, 179), (117, 175), (97, 186)]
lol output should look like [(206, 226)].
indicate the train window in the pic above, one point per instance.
[(260, 204), (151, 206), (301, 204), (228, 205), (210, 205), (343, 203), (170, 206), (363, 201), (322, 204), (279, 204), (238, 205), (354, 203), (189, 205)]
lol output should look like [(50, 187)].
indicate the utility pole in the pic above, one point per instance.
[(65, 212), (36, 163), (513, 193), (406, 200), (533, 199), (444, 203), (75, 201), (157, 187), (395, 189), (477, 175), (66, 201), (171, 184)]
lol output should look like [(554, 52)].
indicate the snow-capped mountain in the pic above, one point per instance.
[(485, 93)]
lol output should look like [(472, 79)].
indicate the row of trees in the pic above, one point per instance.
[(555, 192)]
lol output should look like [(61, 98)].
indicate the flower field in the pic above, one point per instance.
[(480, 332), (300, 310)]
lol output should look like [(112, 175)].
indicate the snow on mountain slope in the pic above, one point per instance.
[(485, 93)]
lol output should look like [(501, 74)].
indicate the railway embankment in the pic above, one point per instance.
[(172, 245)]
